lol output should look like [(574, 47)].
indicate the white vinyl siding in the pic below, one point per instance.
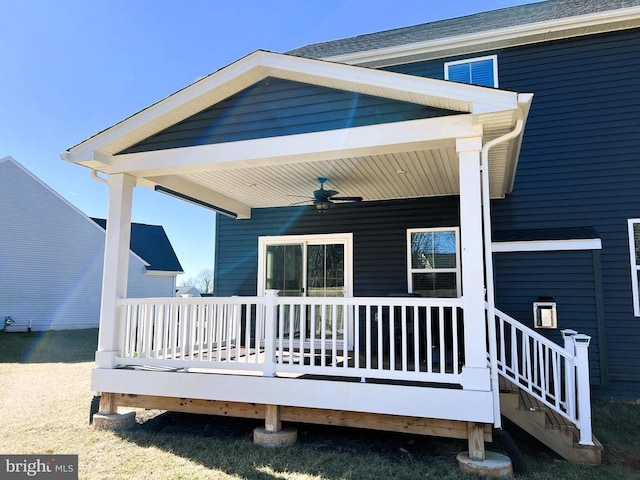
[(481, 71), (51, 258), (433, 262), (634, 252)]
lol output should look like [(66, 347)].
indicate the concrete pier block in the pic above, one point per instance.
[(494, 465), (114, 421), (281, 438)]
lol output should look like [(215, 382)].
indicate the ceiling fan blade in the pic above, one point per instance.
[(346, 199)]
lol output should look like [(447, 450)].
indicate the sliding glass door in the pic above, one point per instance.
[(311, 266)]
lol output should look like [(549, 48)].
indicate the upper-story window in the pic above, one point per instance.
[(477, 71), (433, 262), (634, 250)]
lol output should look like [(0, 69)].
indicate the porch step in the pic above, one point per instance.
[(547, 426)]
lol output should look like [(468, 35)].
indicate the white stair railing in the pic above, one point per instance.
[(557, 376)]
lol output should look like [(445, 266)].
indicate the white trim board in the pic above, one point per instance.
[(547, 245)]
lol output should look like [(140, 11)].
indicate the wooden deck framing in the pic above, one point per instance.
[(391, 423)]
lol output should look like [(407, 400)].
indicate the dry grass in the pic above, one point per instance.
[(45, 397)]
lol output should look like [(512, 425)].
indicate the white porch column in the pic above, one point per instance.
[(475, 372), (116, 267)]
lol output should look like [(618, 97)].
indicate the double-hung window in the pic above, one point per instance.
[(433, 260), (481, 71), (634, 251)]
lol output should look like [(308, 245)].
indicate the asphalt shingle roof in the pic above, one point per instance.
[(479, 22), (150, 242)]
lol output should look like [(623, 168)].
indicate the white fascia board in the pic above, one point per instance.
[(162, 273), (547, 245), (259, 65), (493, 39), (308, 147)]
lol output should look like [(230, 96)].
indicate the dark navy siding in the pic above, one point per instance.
[(580, 161), (379, 240), (568, 277), (276, 107)]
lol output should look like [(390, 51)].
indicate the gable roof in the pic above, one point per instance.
[(150, 242), (533, 22), (234, 177)]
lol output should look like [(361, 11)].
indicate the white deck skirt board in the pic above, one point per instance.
[(547, 245), (426, 402)]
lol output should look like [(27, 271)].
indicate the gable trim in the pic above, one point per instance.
[(95, 152)]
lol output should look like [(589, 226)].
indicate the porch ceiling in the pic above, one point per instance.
[(414, 158)]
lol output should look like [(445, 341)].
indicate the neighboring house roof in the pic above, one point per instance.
[(150, 242), (551, 15), (186, 291)]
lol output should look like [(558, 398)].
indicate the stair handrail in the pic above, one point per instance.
[(557, 376)]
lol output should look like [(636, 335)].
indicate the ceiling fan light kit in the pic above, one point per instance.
[(323, 199)]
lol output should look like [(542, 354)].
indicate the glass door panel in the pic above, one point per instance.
[(284, 270), (284, 273), (325, 278)]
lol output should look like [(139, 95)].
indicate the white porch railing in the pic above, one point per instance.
[(412, 339), (556, 376)]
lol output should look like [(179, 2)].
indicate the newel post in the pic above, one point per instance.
[(570, 371), (116, 267), (475, 373), (270, 322), (584, 392)]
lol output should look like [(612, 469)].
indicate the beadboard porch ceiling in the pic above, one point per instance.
[(405, 159)]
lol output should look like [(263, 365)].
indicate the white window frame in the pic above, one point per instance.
[(494, 59), (457, 270), (634, 267), (320, 239)]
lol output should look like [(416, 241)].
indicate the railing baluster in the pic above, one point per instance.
[(404, 342), (368, 336), (380, 339), (292, 330), (323, 336), (392, 337), (334, 335), (441, 340), (454, 336), (429, 349), (303, 332), (356, 336), (416, 338)]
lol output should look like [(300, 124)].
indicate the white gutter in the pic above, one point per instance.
[(488, 265)]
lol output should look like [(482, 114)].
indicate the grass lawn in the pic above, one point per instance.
[(45, 397)]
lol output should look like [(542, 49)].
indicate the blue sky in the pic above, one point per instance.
[(71, 68)]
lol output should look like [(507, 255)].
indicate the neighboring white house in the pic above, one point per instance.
[(52, 255)]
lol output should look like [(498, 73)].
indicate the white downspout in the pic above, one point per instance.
[(488, 255), (95, 176)]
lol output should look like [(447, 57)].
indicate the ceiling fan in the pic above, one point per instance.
[(323, 199)]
